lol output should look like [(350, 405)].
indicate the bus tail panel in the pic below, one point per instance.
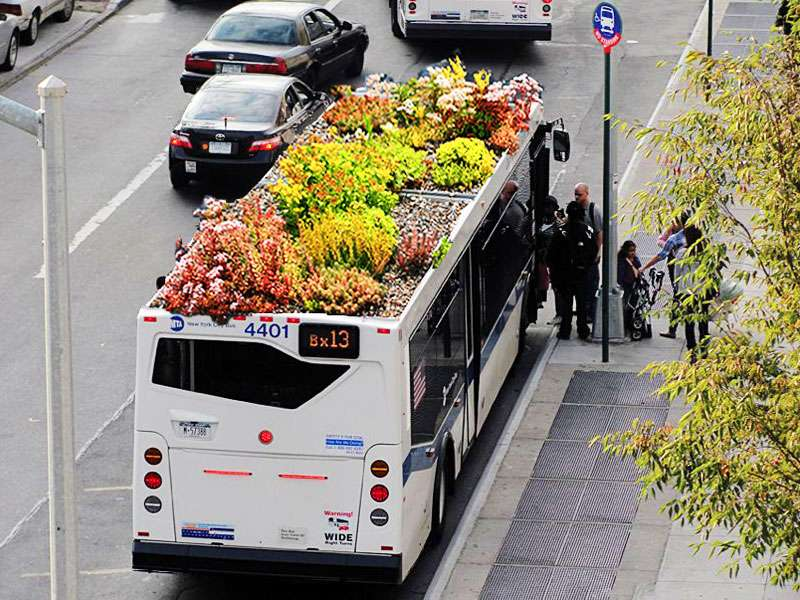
[(280, 502)]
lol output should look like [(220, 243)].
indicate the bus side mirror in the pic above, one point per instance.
[(560, 145), (160, 281)]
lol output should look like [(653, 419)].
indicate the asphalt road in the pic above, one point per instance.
[(123, 99)]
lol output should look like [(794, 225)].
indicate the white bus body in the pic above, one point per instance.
[(486, 19), (267, 455)]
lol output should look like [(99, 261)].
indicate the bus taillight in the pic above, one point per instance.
[(152, 456), (379, 468), (152, 480), (379, 493)]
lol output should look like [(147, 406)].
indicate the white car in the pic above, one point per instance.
[(31, 13), (9, 41)]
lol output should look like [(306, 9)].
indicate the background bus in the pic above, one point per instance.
[(325, 446), (501, 19)]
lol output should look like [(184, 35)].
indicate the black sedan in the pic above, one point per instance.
[(240, 121), (283, 38)]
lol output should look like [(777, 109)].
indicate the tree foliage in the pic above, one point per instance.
[(731, 159)]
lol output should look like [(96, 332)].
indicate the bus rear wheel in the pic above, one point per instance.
[(439, 506), (398, 33)]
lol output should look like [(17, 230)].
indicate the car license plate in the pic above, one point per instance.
[(219, 147), (191, 429), (191, 166), (230, 68)]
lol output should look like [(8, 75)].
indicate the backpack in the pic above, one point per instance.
[(582, 246)]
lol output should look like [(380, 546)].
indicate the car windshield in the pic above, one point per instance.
[(259, 30), (248, 107)]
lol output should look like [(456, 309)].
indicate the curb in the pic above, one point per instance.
[(480, 493), (66, 41)]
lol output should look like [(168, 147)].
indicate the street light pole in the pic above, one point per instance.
[(58, 347), (710, 34)]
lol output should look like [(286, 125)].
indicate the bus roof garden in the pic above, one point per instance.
[(364, 206)]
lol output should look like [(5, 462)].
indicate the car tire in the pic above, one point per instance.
[(31, 34), (65, 14), (356, 65), (398, 33), (11, 53), (439, 506), (177, 174)]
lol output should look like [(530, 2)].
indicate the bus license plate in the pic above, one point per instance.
[(192, 430)]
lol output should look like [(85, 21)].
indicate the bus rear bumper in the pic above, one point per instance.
[(450, 29), (302, 564)]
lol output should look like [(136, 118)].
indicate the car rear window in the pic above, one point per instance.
[(259, 30), (251, 372), (246, 106)]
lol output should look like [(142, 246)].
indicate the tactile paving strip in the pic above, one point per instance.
[(580, 422), (532, 543), (565, 460), (609, 502), (606, 387), (615, 468), (580, 584), (622, 418), (550, 500), (516, 583)]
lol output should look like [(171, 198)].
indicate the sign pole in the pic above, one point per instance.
[(606, 200), (710, 35)]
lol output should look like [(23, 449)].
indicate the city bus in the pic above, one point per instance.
[(482, 19), (320, 446)]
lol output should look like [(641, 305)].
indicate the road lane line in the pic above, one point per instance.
[(41, 501), (118, 200), (90, 572), (110, 488)]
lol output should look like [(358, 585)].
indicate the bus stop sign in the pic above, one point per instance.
[(607, 24)]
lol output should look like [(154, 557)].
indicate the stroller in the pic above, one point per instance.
[(640, 301)]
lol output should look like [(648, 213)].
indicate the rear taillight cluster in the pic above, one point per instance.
[(277, 68), (199, 65), (265, 145), (379, 492), (152, 479), (179, 141)]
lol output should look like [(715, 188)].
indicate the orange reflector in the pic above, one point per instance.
[(150, 319), (387, 547), (292, 320), (142, 534), (383, 330), (266, 319), (152, 456), (379, 468), (231, 473), (299, 476)]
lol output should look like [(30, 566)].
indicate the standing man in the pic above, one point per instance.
[(572, 252), (593, 217)]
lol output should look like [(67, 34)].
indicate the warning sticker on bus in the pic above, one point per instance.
[(351, 445)]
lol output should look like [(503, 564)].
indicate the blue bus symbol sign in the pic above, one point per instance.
[(176, 323), (607, 25)]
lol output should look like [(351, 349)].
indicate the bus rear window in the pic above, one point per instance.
[(245, 371)]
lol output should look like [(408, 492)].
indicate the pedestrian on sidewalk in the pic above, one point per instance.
[(674, 241), (572, 253), (544, 237), (685, 267), (628, 272), (593, 217)]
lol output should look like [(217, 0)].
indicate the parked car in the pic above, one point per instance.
[(283, 38), (31, 13), (240, 121), (9, 41)]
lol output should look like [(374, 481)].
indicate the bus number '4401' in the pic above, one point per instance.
[(274, 330)]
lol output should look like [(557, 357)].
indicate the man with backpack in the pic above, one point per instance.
[(593, 217), (572, 253)]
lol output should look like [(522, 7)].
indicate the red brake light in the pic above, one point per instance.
[(179, 141), (379, 493), (152, 480), (199, 65), (265, 437), (11, 9), (265, 145), (278, 67), (150, 319)]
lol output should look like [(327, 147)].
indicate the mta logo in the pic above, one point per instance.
[(176, 323)]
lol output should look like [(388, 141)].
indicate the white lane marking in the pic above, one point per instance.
[(118, 200), (41, 501), (692, 44), (110, 488), (90, 572), (148, 19), (481, 492)]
